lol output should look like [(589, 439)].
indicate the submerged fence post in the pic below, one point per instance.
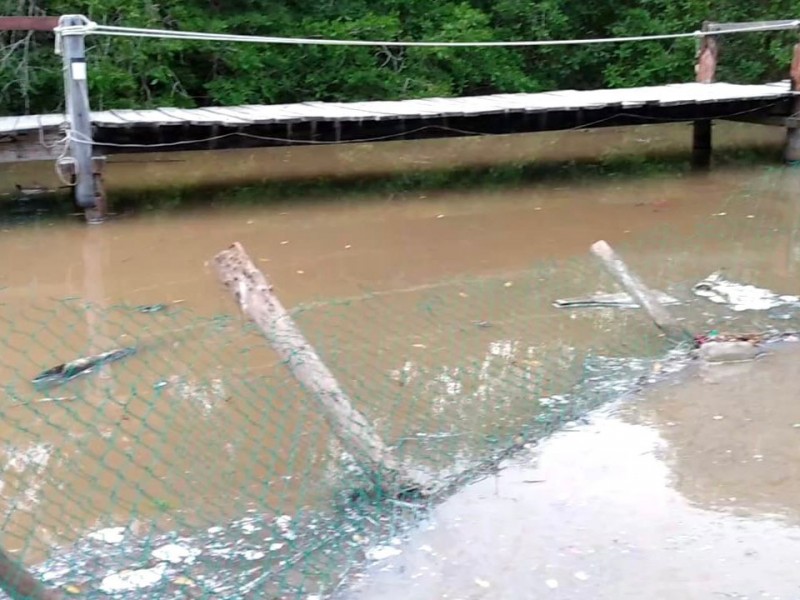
[(257, 300), (76, 94), (640, 292), (791, 152), (705, 71), (19, 584)]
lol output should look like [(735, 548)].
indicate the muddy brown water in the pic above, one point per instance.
[(203, 423), (686, 491)]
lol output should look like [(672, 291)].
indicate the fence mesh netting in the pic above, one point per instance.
[(193, 465)]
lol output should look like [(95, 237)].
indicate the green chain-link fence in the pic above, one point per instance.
[(197, 467)]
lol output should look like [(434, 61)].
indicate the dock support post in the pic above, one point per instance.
[(705, 71), (791, 153), (76, 93), (701, 145)]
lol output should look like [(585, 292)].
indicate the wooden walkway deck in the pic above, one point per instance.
[(31, 137)]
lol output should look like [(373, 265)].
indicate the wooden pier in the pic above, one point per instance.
[(36, 137), (80, 140)]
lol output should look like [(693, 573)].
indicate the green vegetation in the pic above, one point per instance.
[(128, 72)]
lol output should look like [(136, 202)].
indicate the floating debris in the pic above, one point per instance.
[(109, 535), (132, 579), (176, 554), (620, 300), (150, 308), (382, 552), (726, 352), (738, 296), (68, 371)]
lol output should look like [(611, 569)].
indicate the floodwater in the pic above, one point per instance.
[(687, 491), (432, 307)]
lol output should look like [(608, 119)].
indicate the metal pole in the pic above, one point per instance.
[(76, 93)]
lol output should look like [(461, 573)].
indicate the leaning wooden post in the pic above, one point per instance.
[(705, 71), (76, 92), (19, 584), (640, 292), (791, 152), (258, 301)]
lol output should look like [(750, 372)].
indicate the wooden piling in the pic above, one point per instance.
[(258, 301), (791, 153), (705, 72), (99, 212), (701, 145), (617, 268)]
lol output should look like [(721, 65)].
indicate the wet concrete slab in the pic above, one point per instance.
[(687, 491)]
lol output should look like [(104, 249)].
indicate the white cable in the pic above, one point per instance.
[(108, 30)]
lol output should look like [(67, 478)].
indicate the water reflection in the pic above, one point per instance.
[(732, 432), (597, 513)]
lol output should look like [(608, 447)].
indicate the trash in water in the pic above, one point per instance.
[(67, 371), (109, 535), (739, 296), (736, 351), (176, 553), (154, 308), (382, 552), (151, 308), (132, 579), (621, 300)]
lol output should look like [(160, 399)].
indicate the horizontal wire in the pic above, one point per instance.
[(92, 28)]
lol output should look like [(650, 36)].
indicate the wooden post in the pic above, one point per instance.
[(701, 145), (258, 301), (98, 182), (705, 71), (640, 292), (791, 153), (706, 67), (76, 93), (19, 584)]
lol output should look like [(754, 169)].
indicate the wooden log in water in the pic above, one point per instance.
[(257, 300), (19, 584), (636, 288)]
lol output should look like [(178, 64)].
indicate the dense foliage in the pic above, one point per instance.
[(130, 72)]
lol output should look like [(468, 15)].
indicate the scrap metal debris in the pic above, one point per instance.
[(740, 297), (81, 366), (620, 300)]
